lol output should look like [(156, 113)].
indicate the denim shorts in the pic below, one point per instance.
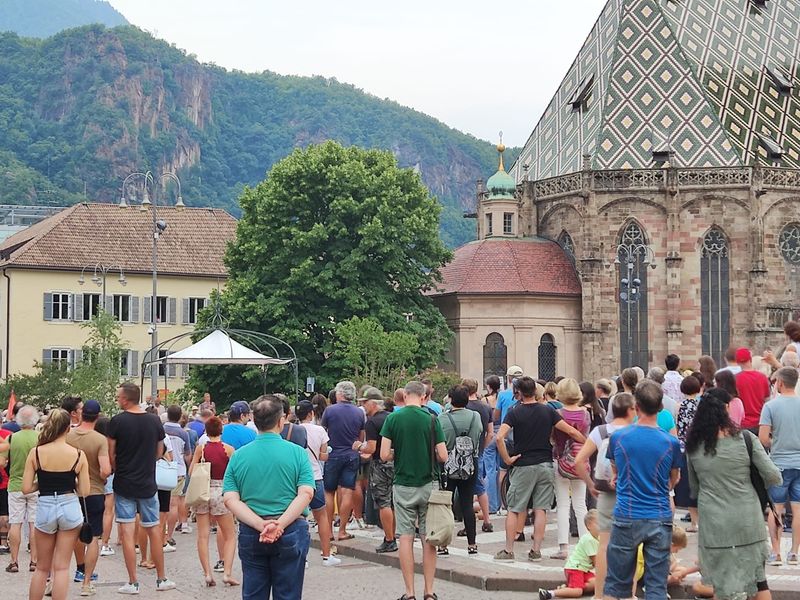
[(58, 513), (480, 480), (318, 501), (341, 472), (789, 490), (109, 489), (126, 509)]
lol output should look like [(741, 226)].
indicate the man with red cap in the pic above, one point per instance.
[(753, 389)]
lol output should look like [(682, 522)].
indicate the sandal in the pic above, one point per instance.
[(691, 529), (430, 596), (461, 533), (442, 551), (404, 597), (347, 536), (32, 566), (12, 568), (487, 528), (472, 549)]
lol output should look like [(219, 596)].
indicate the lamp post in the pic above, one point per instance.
[(99, 278), (630, 290), (153, 182)]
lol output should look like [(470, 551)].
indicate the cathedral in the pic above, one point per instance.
[(655, 208)]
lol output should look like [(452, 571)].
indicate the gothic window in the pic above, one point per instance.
[(565, 241), (789, 245), (715, 301), (632, 255), (495, 356), (547, 358)]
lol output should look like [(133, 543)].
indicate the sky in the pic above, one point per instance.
[(478, 66)]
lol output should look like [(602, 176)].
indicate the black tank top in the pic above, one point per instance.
[(56, 482)]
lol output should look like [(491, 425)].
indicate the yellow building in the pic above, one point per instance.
[(43, 302)]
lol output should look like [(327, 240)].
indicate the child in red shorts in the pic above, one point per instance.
[(579, 565)]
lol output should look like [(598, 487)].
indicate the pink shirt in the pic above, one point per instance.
[(736, 411)]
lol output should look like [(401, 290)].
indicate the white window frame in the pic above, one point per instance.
[(65, 301), (65, 358), (194, 309), (508, 218), (87, 303)]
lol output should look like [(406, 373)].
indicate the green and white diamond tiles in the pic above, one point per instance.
[(692, 75)]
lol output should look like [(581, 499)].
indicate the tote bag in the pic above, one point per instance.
[(439, 522), (199, 490), (166, 472)]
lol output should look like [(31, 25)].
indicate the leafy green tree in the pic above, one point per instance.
[(43, 388), (97, 375), (334, 233)]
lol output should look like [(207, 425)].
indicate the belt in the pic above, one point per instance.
[(56, 494)]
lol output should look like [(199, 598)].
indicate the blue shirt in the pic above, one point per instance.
[(783, 415), (433, 406), (344, 422), (237, 435), (505, 400), (644, 458), (665, 420), (198, 427)]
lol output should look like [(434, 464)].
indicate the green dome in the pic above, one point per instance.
[(501, 185)]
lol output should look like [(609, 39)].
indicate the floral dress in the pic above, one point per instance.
[(685, 418)]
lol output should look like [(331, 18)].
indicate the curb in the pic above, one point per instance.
[(491, 583)]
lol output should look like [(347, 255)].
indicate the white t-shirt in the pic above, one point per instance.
[(597, 438), (317, 437)]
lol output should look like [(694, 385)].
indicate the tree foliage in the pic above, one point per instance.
[(43, 18), (335, 233)]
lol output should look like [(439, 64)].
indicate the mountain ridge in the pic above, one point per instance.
[(43, 18)]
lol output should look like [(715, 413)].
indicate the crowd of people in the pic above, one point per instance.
[(615, 459)]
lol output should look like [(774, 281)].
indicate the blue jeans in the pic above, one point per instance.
[(789, 490), (278, 568), (489, 460), (626, 535)]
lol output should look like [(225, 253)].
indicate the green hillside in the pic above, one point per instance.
[(43, 18), (84, 108)]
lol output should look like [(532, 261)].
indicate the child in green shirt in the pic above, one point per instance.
[(579, 565)]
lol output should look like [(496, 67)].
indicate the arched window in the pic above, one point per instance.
[(495, 356), (632, 255), (715, 295), (547, 358), (789, 246), (565, 241)]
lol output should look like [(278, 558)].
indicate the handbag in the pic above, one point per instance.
[(199, 490), (85, 536), (166, 475), (439, 522), (758, 481)]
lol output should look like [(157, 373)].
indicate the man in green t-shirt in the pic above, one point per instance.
[(21, 507), (268, 486), (406, 439)]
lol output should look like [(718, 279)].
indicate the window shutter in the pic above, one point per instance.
[(172, 368), (133, 363), (71, 307), (48, 307), (77, 357), (133, 311), (185, 371), (70, 359), (109, 305), (172, 316), (77, 303), (147, 304), (185, 311), (47, 356)]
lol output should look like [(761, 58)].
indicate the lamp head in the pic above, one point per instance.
[(161, 226), (179, 204), (122, 279), (123, 203), (81, 280), (96, 279)]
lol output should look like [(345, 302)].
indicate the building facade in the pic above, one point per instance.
[(55, 273)]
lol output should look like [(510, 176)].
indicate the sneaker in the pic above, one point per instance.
[(534, 555), (219, 567), (501, 512), (5, 549), (387, 547), (442, 551), (504, 555), (48, 588), (170, 546), (88, 590), (360, 523), (520, 537), (791, 559), (214, 529), (107, 551), (138, 550), (79, 577), (162, 585), (331, 561), (185, 528), (178, 527), (129, 588), (775, 560), (544, 594)]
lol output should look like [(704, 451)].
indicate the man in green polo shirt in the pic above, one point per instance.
[(268, 486), (407, 440), (21, 507)]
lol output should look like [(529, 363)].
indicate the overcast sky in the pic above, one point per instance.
[(477, 65)]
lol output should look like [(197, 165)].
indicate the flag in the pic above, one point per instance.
[(12, 400)]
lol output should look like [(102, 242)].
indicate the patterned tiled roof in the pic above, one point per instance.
[(193, 244), (697, 77), (510, 266)]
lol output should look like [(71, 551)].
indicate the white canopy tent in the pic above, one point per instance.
[(218, 348)]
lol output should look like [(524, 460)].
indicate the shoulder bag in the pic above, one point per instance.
[(166, 472), (758, 481), (199, 490), (439, 522)]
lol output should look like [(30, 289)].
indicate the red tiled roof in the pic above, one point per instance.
[(507, 266), (193, 244)]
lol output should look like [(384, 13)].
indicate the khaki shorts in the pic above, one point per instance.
[(411, 507), (605, 510), (215, 504), (179, 489), (22, 507), (531, 482)]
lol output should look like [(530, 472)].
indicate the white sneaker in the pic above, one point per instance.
[(169, 548), (162, 585), (129, 588), (185, 528), (360, 523), (501, 512), (107, 551), (331, 561)]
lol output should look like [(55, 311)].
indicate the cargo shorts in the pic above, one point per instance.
[(381, 480)]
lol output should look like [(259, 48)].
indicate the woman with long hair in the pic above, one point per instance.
[(61, 475), (217, 454), (727, 381), (708, 367), (732, 546), (592, 404), (320, 403)]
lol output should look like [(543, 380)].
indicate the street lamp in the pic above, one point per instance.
[(153, 182), (630, 291), (99, 278)]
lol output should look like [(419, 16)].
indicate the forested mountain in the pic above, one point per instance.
[(43, 18), (82, 109)]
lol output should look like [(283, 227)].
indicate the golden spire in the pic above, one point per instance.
[(500, 149)]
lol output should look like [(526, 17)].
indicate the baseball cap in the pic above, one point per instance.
[(303, 409), (91, 408), (743, 355), (239, 408), (515, 371)]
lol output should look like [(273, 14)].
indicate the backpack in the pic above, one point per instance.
[(602, 469), (566, 462), (461, 459)]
